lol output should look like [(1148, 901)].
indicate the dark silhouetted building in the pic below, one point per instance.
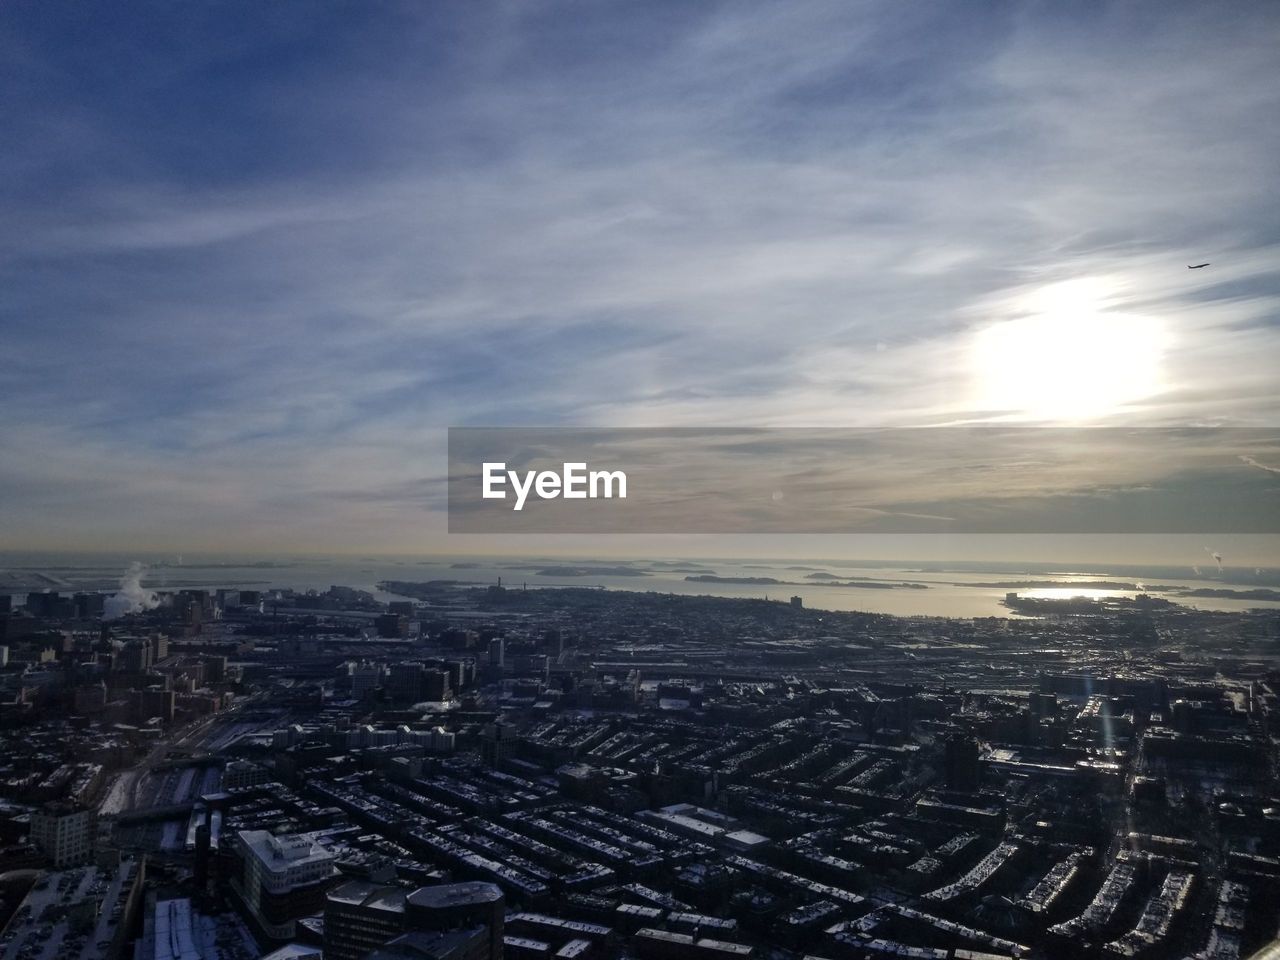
[(459, 907), (458, 920), (470, 944), (63, 832), (392, 626), (963, 770), (360, 917)]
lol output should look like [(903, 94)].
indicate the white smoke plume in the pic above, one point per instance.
[(131, 598)]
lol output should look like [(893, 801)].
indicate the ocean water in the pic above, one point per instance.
[(944, 590)]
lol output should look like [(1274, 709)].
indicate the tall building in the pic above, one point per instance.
[(458, 639), (405, 681), (963, 771), (472, 944), (440, 740), (462, 674), (360, 917), (457, 921), (48, 604), (215, 669), (154, 702), (435, 685), (194, 606), (497, 742), (392, 626), (64, 832), (89, 605), (282, 879), (365, 678), (135, 657), (458, 907)]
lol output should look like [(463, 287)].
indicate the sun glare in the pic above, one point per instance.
[(1067, 356)]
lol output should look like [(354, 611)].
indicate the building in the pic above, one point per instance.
[(405, 681), (50, 604), (64, 832), (243, 773), (459, 907), (470, 944), (497, 652), (89, 605), (392, 626), (154, 702), (215, 669), (360, 917), (435, 686), (963, 770), (295, 951), (282, 879), (90, 698), (458, 920), (440, 740), (135, 657), (365, 678), (497, 743)]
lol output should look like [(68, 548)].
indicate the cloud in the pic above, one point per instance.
[(1261, 466), (285, 251)]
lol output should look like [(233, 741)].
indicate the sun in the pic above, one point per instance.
[(1067, 355)]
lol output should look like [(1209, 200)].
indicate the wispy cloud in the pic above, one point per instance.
[(283, 251), (1261, 466)]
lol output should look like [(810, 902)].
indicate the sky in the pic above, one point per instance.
[(258, 257)]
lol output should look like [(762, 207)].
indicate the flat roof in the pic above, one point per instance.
[(455, 894), (363, 893)]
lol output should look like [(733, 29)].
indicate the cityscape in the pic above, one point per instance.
[(439, 769), (660, 480)]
